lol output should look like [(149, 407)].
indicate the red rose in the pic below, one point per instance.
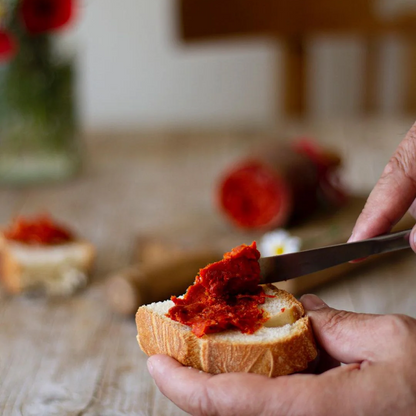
[(44, 15), (8, 46)]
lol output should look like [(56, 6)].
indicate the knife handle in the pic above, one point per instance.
[(391, 242), (134, 286)]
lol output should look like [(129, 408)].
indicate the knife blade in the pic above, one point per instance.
[(289, 266)]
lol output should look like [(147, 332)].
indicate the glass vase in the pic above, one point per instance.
[(38, 128)]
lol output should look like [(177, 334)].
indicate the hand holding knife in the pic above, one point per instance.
[(289, 266)]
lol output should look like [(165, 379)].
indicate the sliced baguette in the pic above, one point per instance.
[(284, 345), (53, 270)]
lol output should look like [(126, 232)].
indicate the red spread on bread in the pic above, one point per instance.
[(41, 230), (225, 295)]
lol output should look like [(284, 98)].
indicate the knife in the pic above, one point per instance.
[(289, 266)]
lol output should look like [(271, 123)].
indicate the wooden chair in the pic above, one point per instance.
[(295, 21)]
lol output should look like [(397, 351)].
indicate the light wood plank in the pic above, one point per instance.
[(73, 356)]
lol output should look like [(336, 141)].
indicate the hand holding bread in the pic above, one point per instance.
[(283, 345), (377, 380), (227, 322)]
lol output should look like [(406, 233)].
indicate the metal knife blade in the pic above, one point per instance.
[(289, 266)]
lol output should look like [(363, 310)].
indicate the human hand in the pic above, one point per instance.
[(393, 194), (379, 378)]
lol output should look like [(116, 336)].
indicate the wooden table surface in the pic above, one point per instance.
[(75, 356)]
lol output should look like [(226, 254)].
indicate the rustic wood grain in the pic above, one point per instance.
[(74, 356), (216, 19)]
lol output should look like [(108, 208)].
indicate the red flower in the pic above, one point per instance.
[(44, 15), (8, 46)]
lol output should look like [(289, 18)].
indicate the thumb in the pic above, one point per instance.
[(346, 336), (412, 239)]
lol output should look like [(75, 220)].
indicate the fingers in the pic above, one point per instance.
[(347, 337), (412, 209), (249, 394), (358, 339), (182, 385), (393, 194), (199, 393), (412, 239)]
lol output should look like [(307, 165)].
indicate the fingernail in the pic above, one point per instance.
[(312, 302), (150, 366), (351, 239)]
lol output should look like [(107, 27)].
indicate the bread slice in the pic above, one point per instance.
[(284, 345), (53, 270)]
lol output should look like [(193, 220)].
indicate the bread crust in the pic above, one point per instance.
[(215, 354)]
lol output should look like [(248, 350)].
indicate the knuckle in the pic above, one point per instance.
[(399, 163), (402, 163), (399, 326), (201, 403), (334, 321)]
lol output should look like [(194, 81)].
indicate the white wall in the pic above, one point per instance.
[(135, 73)]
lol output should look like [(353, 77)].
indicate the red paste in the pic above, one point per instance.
[(40, 230), (225, 295)]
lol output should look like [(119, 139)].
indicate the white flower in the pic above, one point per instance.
[(278, 242)]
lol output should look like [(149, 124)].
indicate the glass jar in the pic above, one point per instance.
[(38, 129)]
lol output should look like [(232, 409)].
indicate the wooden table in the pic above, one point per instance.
[(74, 356)]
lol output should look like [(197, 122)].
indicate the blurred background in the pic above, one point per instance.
[(269, 68), (124, 119), (343, 74), (169, 64)]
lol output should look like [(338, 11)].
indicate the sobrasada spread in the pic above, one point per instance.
[(41, 230), (225, 295)]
